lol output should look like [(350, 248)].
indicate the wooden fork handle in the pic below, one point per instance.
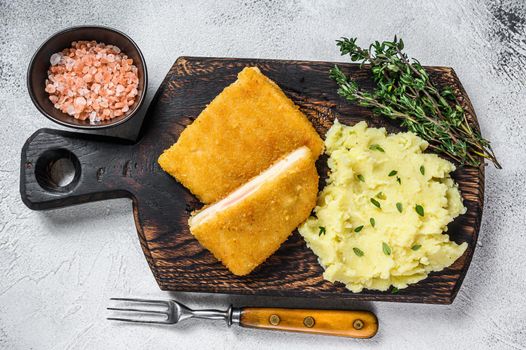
[(354, 324)]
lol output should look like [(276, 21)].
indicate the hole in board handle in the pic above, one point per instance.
[(57, 170)]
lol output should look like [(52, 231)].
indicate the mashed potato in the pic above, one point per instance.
[(380, 219)]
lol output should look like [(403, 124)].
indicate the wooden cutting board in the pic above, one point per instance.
[(108, 169)]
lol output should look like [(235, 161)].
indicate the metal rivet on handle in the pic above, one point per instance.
[(308, 321), (358, 324), (274, 320)]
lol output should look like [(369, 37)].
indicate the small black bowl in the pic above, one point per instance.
[(39, 65)]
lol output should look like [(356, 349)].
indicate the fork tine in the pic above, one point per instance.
[(146, 301), (137, 310), (135, 321)]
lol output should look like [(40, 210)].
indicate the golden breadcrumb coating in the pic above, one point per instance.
[(245, 129), (246, 233)]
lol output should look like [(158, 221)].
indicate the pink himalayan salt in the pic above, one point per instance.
[(92, 81)]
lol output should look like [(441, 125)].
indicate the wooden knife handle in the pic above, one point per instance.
[(354, 324)]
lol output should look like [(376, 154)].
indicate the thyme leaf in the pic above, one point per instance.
[(386, 248), (376, 147), (358, 251)]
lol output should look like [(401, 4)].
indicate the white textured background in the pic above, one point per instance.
[(58, 268)]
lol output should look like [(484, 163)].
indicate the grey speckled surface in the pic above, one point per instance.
[(58, 268)]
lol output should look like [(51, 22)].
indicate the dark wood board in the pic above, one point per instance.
[(161, 206)]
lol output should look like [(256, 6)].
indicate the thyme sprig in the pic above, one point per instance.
[(405, 92)]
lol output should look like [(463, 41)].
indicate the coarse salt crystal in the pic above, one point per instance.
[(55, 59), (70, 110), (93, 118), (50, 88), (80, 101)]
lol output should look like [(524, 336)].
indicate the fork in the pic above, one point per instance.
[(344, 323)]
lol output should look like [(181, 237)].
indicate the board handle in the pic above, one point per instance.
[(100, 167), (354, 324)]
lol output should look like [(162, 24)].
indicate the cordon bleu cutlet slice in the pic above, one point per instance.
[(246, 128), (247, 226)]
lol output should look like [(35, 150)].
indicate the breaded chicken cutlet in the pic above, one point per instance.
[(247, 226), (245, 129)]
